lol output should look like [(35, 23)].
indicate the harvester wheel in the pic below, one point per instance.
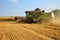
[(29, 20)]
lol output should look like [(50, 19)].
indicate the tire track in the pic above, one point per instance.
[(7, 36), (15, 31), (54, 34), (24, 33), (7, 33), (3, 36), (10, 34), (45, 37), (50, 27)]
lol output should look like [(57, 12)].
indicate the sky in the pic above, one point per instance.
[(18, 7)]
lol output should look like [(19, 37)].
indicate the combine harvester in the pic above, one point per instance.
[(32, 16)]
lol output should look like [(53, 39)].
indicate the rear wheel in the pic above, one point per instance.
[(29, 20)]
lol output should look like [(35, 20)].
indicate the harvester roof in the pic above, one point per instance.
[(36, 10), (28, 11)]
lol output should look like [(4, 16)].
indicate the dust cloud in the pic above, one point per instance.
[(56, 21)]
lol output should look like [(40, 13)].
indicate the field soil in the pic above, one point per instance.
[(10, 30)]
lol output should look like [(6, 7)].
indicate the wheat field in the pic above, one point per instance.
[(23, 31)]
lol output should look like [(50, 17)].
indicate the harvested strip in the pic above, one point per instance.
[(46, 38)]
